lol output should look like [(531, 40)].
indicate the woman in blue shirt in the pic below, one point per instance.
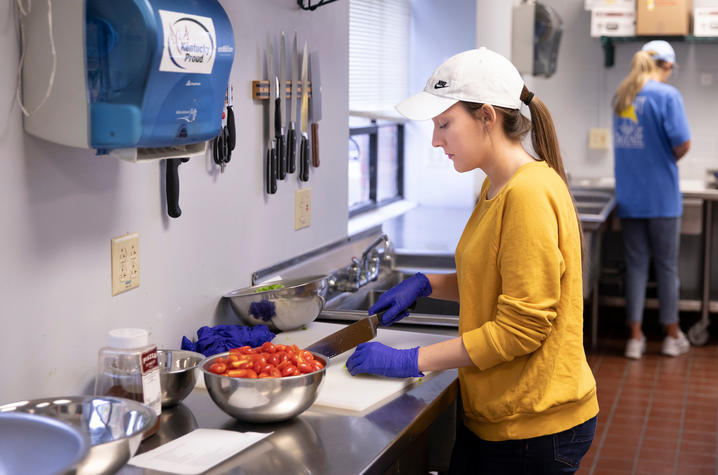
[(650, 135)]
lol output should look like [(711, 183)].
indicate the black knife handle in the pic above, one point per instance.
[(172, 186), (304, 159), (291, 149), (281, 157), (271, 171)]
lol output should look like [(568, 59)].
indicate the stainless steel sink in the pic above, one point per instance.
[(593, 206), (355, 305)]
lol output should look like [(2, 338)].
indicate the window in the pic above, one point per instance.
[(378, 79)]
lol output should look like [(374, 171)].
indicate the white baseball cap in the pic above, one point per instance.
[(663, 50), (477, 75)]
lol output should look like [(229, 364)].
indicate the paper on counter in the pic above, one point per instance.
[(197, 451)]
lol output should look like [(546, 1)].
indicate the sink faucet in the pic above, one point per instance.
[(365, 269)]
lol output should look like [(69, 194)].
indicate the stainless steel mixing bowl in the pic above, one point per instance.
[(281, 305), (114, 426), (266, 399), (39, 445), (178, 374)]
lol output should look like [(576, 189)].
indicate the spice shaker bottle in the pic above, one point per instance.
[(128, 367)]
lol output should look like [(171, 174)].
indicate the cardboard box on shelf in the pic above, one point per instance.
[(609, 21), (705, 21), (663, 17)]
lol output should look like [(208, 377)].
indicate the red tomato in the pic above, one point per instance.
[(287, 370), (218, 368), (242, 373), (305, 367), (273, 359), (307, 355), (317, 365), (268, 347), (232, 357)]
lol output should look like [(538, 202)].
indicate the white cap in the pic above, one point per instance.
[(128, 338), (663, 50), (477, 75)]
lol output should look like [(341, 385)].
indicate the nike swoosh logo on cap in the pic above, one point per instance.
[(440, 85)]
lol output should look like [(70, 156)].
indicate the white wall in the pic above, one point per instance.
[(60, 207), (437, 33)]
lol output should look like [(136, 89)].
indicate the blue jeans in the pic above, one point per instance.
[(644, 238), (548, 454)]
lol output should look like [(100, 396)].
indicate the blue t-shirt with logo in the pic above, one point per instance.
[(644, 136)]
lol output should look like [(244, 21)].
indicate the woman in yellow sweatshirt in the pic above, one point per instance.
[(528, 394)]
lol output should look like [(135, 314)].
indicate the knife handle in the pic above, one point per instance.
[(271, 176), (315, 144), (281, 157), (291, 149), (304, 159)]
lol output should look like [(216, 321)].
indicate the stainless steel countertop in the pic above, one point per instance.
[(320, 440), (699, 189)]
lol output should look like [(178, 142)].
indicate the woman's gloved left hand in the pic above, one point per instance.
[(376, 358)]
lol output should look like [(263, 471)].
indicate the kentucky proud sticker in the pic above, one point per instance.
[(190, 43)]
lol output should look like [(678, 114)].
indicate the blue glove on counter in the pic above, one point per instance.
[(397, 299), (221, 338), (376, 358)]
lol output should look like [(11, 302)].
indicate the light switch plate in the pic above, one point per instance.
[(599, 138), (125, 253), (302, 208)]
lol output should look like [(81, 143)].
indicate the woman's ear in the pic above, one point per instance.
[(487, 115)]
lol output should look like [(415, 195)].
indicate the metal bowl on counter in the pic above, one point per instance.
[(282, 304), (38, 444), (178, 374), (264, 399), (113, 426)]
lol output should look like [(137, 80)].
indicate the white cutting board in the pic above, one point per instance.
[(340, 389)]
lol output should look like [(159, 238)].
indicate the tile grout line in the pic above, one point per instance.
[(637, 458), (683, 414), (610, 418)]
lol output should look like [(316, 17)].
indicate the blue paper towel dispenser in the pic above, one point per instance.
[(139, 79)]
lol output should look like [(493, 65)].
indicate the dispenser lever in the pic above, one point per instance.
[(172, 186)]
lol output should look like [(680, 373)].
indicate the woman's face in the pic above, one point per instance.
[(463, 137)]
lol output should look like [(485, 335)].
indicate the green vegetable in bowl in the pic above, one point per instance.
[(264, 288)]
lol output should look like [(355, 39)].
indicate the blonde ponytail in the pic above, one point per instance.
[(642, 67)]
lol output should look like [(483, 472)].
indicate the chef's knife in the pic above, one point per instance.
[(350, 336), (292, 133), (315, 106), (346, 338), (281, 144), (271, 160), (304, 146)]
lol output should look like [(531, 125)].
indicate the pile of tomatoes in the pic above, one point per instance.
[(266, 361)]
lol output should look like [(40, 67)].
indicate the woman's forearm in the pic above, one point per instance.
[(444, 286), (444, 355)]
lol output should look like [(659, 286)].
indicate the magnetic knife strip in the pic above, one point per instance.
[(260, 89)]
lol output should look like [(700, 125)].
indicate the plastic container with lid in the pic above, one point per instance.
[(128, 367)]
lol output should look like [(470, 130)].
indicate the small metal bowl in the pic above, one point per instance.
[(114, 426), (265, 399), (178, 374), (39, 445), (281, 305)]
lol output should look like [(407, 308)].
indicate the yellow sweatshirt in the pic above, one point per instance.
[(518, 266)]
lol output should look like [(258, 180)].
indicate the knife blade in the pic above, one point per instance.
[(304, 125), (350, 336), (271, 158), (281, 144), (315, 106), (346, 338), (292, 132)]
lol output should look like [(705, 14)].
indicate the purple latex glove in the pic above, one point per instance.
[(397, 300), (376, 358)]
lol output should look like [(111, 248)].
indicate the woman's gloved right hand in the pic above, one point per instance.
[(397, 300)]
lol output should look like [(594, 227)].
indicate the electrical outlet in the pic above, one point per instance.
[(125, 252), (599, 138), (302, 208)]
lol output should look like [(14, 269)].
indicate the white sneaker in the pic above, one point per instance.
[(635, 348), (676, 346)]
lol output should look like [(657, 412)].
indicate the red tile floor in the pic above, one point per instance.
[(658, 415)]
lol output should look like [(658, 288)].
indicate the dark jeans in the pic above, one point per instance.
[(549, 454)]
